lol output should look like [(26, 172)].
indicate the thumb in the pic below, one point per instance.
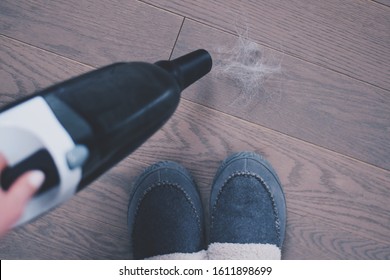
[(21, 191)]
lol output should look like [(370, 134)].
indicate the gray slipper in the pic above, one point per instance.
[(165, 214), (248, 210)]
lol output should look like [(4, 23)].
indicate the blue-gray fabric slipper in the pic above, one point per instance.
[(165, 215), (248, 210)]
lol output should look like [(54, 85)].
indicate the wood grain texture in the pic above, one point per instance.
[(337, 206), (92, 32), (303, 100), (315, 240), (348, 36), (25, 69)]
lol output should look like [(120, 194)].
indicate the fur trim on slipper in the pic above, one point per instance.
[(233, 251)]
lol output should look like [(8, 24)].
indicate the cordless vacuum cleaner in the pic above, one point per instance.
[(76, 130)]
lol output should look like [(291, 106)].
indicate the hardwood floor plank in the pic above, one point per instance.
[(106, 200), (25, 69), (348, 36), (63, 235), (314, 240), (303, 100), (93, 32)]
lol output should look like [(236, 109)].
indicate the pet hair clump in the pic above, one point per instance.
[(247, 65)]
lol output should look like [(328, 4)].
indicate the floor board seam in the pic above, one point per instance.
[(380, 3), (177, 38)]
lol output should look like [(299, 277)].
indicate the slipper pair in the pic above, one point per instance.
[(247, 212)]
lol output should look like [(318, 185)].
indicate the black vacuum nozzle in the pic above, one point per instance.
[(188, 68)]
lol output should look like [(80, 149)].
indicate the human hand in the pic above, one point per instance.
[(13, 201)]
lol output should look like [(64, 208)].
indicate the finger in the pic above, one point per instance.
[(3, 162), (25, 186), (21, 191)]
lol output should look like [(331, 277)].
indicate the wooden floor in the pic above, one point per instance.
[(323, 121)]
